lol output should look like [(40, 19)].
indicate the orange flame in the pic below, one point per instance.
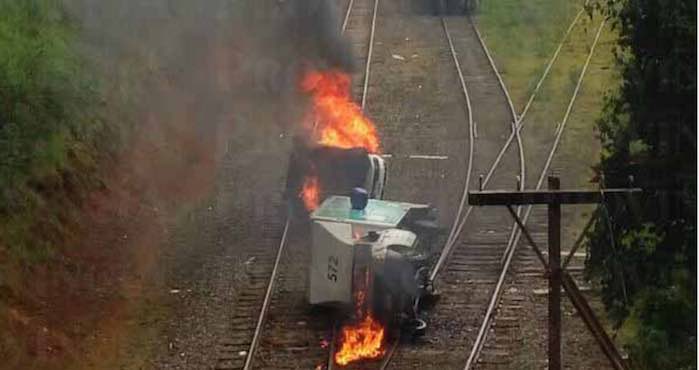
[(363, 340), (310, 192), (340, 121)]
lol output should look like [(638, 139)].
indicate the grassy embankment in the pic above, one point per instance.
[(53, 137), (77, 178), (49, 124)]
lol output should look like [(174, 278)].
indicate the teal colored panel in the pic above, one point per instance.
[(380, 212)]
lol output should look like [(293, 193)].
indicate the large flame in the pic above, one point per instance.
[(339, 120), (364, 340)]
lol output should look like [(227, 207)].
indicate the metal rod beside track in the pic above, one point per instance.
[(266, 302)]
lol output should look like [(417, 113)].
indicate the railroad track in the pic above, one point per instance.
[(257, 234), (272, 325), (508, 314), (528, 273), (416, 163), (466, 271), (507, 125)]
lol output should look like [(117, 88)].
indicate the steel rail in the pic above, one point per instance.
[(331, 348), (265, 304), (515, 131), (389, 355), (471, 132), (456, 229), (446, 252), (548, 67), (347, 15), (495, 298), (519, 123)]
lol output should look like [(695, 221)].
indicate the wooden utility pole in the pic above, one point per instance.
[(554, 230), (557, 276)]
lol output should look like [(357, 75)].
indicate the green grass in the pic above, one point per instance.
[(522, 36), (580, 143)]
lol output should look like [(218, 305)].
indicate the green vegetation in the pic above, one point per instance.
[(549, 107), (49, 127), (522, 36), (644, 253), (646, 263), (522, 48), (48, 124)]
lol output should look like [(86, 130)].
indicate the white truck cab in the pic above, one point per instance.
[(338, 171), (337, 233), (376, 176)]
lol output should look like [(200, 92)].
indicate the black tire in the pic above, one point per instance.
[(415, 327)]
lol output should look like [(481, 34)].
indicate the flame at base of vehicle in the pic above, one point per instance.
[(310, 192), (363, 340)]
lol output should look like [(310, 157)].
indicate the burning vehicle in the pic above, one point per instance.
[(376, 246), (369, 256), (314, 172)]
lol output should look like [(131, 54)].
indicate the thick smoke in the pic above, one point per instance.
[(315, 27), (214, 49), (288, 37), (180, 79), (181, 71)]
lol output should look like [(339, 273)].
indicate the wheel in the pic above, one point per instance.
[(416, 327)]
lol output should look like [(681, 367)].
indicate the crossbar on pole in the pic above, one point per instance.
[(516, 198)]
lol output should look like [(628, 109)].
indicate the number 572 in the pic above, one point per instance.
[(333, 262)]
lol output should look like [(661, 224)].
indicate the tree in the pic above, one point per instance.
[(644, 255)]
